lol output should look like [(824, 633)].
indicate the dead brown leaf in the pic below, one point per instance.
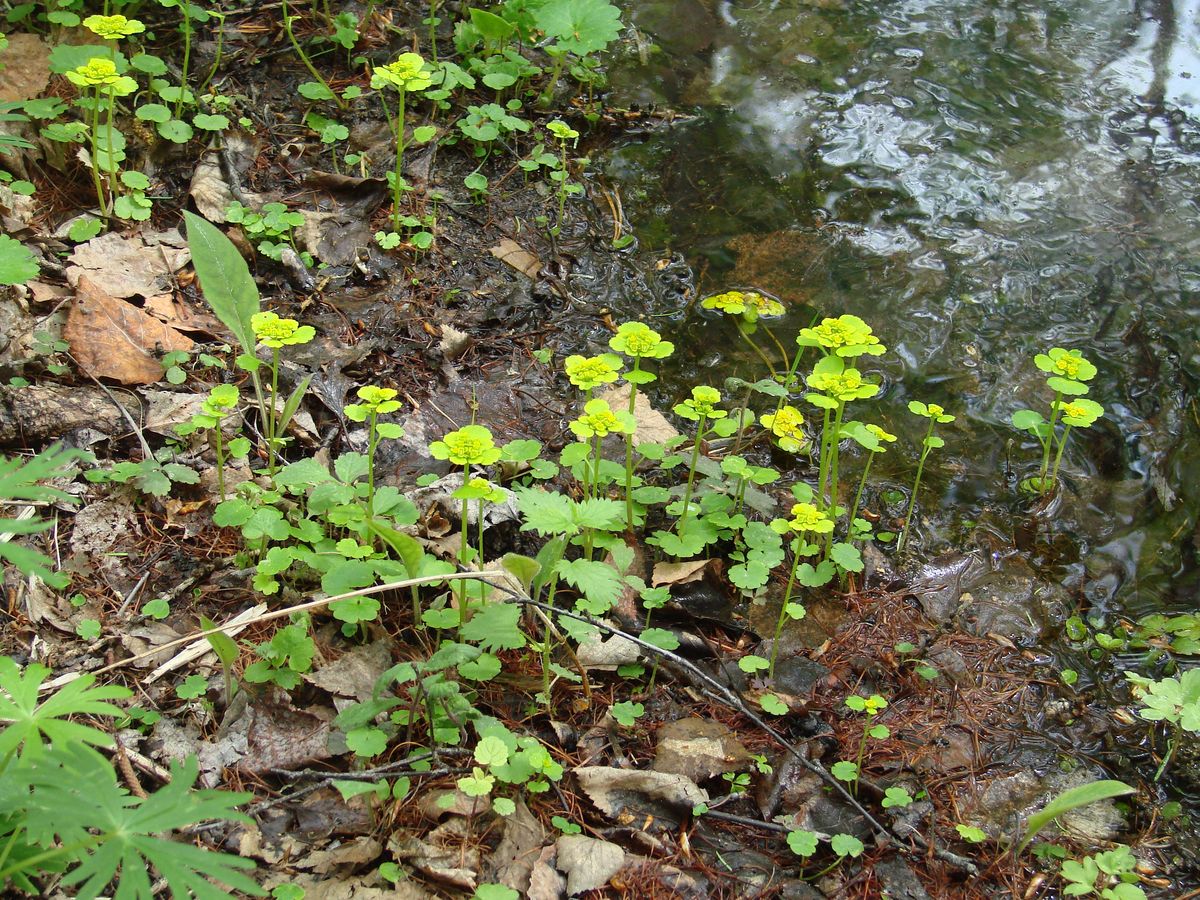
[(513, 254), (128, 267), (110, 338), (588, 862), (354, 674), (680, 572), (181, 316), (280, 737)]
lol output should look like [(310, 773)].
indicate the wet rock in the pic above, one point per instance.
[(1004, 805), (898, 880), (950, 664), (1013, 603), (939, 583), (699, 749), (799, 675)]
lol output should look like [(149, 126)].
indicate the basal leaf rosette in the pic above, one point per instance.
[(471, 445), (100, 72), (701, 405), (787, 426), (845, 336), (375, 401), (599, 420), (589, 372), (272, 331), (406, 73), (113, 28), (1068, 370), (1080, 412)]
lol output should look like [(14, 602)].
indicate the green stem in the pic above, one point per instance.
[(783, 353), (372, 443), (862, 483), (271, 421), (287, 27), (220, 461), (757, 349), (687, 491), (217, 59), (187, 54), (1062, 444), (399, 161), (834, 444), (546, 643), (114, 183), (95, 129), (637, 364), (823, 462), (433, 51), (463, 544), (562, 185), (1043, 488), (787, 598), (912, 501), (1166, 759)]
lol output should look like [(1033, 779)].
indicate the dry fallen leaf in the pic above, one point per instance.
[(622, 792), (110, 338), (511, 253), (127, 267), (679, 573), (177, 313), (26, 70), (588, 862)]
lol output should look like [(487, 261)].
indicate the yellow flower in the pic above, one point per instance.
[(763, 306), (702, 405), (598, 420), (806, 517), (97, 71), (113, 28), (407, 73), (881, 435), (843, 385), (787, 426), (638, 339), (731, 302), (588, 372), (470, 445), (845, 336), (275, 332)]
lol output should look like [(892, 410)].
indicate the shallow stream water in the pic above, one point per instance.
[(980, 181)]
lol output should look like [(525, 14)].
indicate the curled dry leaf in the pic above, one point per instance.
[(110, 338)]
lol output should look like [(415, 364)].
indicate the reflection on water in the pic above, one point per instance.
[(979, 181)]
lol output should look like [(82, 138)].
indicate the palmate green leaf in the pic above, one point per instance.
[(496, 627), (580, 26), (17, 264), (224, 277), (129, 826), (30, 725), (599, 583)]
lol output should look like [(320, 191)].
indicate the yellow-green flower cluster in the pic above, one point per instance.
[(843, 386), (806, 517), (113, 28), (880, 435), (786, 425), (930, 411), (375, 401), (102, 72), (471, 445), (599, 420), (1068, 370), (562, 130), (750, 304), (846, 336), (272, 331), (639, 340), (1080, 412), (701, 405), (407, 73), (589, 372)]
